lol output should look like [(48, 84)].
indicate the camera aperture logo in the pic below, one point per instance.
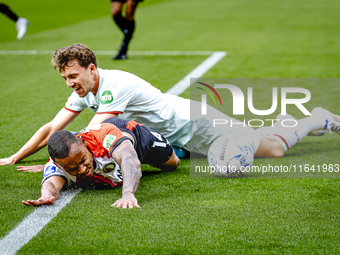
[(204, 96)]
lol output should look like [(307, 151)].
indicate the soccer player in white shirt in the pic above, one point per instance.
[(110, 93)]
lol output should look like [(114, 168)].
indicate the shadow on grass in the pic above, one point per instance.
[(312, 147), (89, 185)]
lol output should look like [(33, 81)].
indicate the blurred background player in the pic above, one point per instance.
[(21, 24), (126, 24)]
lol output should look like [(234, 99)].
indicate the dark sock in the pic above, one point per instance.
[(128, 32), (120, 21), (8, 12)]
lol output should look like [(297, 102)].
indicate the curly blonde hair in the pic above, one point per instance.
[(77, 51)]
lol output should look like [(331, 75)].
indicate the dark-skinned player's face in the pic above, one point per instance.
[(79, 162)]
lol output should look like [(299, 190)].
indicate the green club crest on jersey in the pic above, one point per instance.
[(108, 141), (109, 167), (106, 97)]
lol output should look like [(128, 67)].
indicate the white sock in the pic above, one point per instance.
[(289, 136)]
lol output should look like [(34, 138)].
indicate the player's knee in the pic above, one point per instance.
[(269, 148), (131, 7), (177, 161), (116, 13), (174, 164), (130, 15), (171, 164), (116, 8), (277, 152)]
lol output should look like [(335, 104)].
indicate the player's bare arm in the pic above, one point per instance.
[(126, 157), (100, 117), (40, 138), (35, 168), (50, 191)]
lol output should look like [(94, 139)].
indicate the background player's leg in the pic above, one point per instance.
[(116, 11), (8, 12), (21, 24), (129, 28)]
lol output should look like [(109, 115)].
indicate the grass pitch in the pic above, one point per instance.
[(179, 215)]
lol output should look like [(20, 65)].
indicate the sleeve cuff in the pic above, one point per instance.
[(71, 110)]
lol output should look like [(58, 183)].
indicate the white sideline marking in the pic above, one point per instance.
[(185, 83), (178, 88), (33, 223), (42, 215), (105, 53), (159, 53)]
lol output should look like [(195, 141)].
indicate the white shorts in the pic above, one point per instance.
[(203, 132)]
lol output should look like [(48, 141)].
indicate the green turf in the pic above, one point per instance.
[(180, 214)]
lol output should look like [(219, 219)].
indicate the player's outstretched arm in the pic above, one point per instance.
[(35, 168), (50, 191), (126, 156), (40, 138)]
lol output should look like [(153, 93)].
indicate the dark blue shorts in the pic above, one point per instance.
[(152, 148)]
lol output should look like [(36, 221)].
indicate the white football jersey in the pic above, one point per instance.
[(135, 99)]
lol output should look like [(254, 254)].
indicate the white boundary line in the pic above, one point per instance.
[(191, 77), (42, 215), (105, 53), (178, 88), (33, 223)]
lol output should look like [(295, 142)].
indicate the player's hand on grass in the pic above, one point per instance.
[(127, 201), (41, 201), (7, 161), (36, 168)]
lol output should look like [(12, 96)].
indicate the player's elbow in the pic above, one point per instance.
[(47, 130)]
